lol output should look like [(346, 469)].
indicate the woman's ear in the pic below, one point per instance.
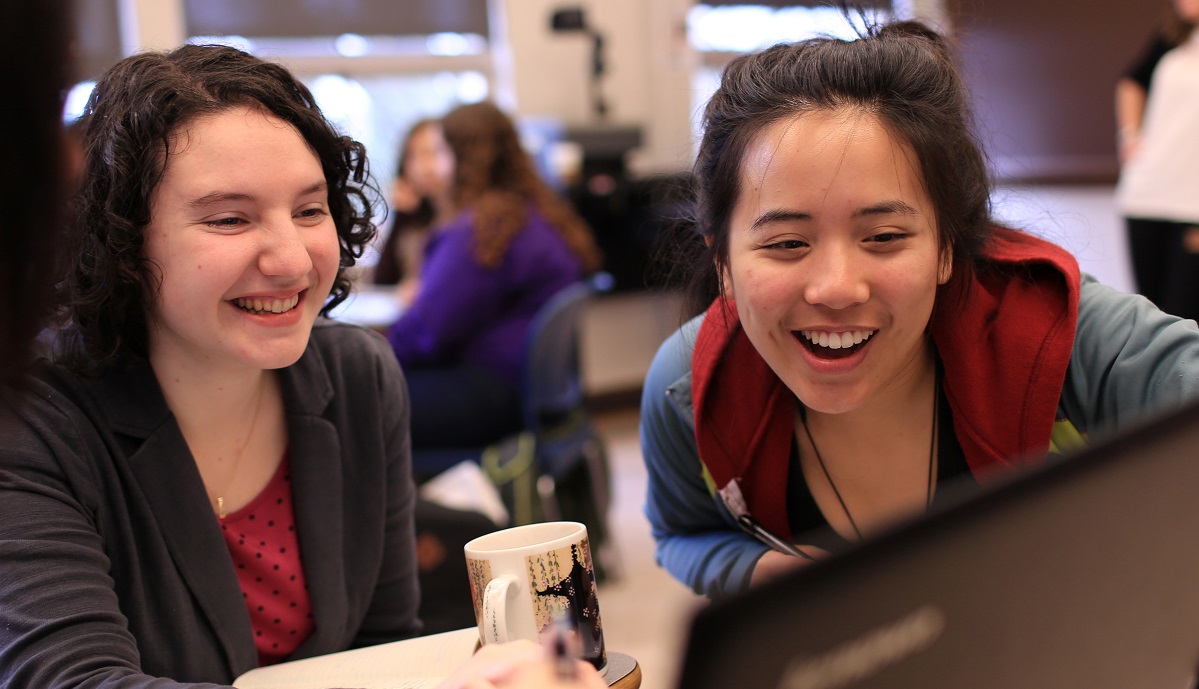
[(945, 266), (724, 281), (722, 275)]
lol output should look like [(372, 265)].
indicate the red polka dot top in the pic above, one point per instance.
[(262, 540)]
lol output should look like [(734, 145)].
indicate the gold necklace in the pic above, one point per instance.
[(932, 455), (220, 500)]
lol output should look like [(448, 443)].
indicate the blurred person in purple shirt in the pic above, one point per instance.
[(513, 244)]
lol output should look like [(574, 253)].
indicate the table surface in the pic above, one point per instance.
[(374, 306)]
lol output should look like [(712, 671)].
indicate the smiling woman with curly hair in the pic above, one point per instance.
[(209, 477)]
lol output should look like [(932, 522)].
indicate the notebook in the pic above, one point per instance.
[(1081, 573), (418, 663)]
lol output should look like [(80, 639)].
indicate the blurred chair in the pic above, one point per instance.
[(556, 467)]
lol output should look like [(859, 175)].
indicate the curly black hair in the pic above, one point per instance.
[(128, 126)]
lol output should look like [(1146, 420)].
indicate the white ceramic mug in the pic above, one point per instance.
[(524, 578)]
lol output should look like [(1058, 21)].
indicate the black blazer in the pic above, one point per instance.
[(113, 570)]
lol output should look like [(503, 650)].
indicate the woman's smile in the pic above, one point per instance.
[(836, 344), (267, 305)]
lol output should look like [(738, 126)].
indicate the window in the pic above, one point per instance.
[(304, 18), (720, 32), (374, 67)]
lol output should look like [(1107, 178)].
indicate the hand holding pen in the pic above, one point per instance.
[(782, 558), (565, 669), (555, 664), (754, 528), (734, 502)]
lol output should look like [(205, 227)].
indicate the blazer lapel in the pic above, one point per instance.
[(315, 448), (317, 482), (172, 488)]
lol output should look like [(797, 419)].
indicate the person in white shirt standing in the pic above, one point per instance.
[(1157, 106)]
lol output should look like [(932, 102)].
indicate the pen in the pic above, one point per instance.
[(564, 652), (754, 528)]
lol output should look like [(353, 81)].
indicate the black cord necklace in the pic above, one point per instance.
[(932, 456)]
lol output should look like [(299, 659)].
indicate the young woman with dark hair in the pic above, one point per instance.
[(420, 200), (875, 335)]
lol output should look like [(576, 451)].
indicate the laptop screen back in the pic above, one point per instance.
[(1083, 573)]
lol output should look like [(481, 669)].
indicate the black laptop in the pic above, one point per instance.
[(1081, 574)]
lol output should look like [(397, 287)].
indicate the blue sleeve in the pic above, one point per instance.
[(1130, 360), (696, 539), (458, 298)]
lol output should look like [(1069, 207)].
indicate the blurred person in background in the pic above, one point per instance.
[(1157, 109), (511, 246), (420, 200)]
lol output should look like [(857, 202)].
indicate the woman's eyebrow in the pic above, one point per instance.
[(894, 206), (321, 186), (778, 215), (216, 197)]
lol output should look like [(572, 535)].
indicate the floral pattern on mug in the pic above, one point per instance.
[(562, 583)]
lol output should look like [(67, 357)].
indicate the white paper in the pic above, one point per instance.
[(465, 486), (418, 663)]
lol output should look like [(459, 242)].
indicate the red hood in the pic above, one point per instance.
[(1004, 353)]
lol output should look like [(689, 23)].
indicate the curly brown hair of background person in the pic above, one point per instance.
[(495, 179)]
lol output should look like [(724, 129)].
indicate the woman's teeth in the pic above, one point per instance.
[(836, 340), (267, 305)]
